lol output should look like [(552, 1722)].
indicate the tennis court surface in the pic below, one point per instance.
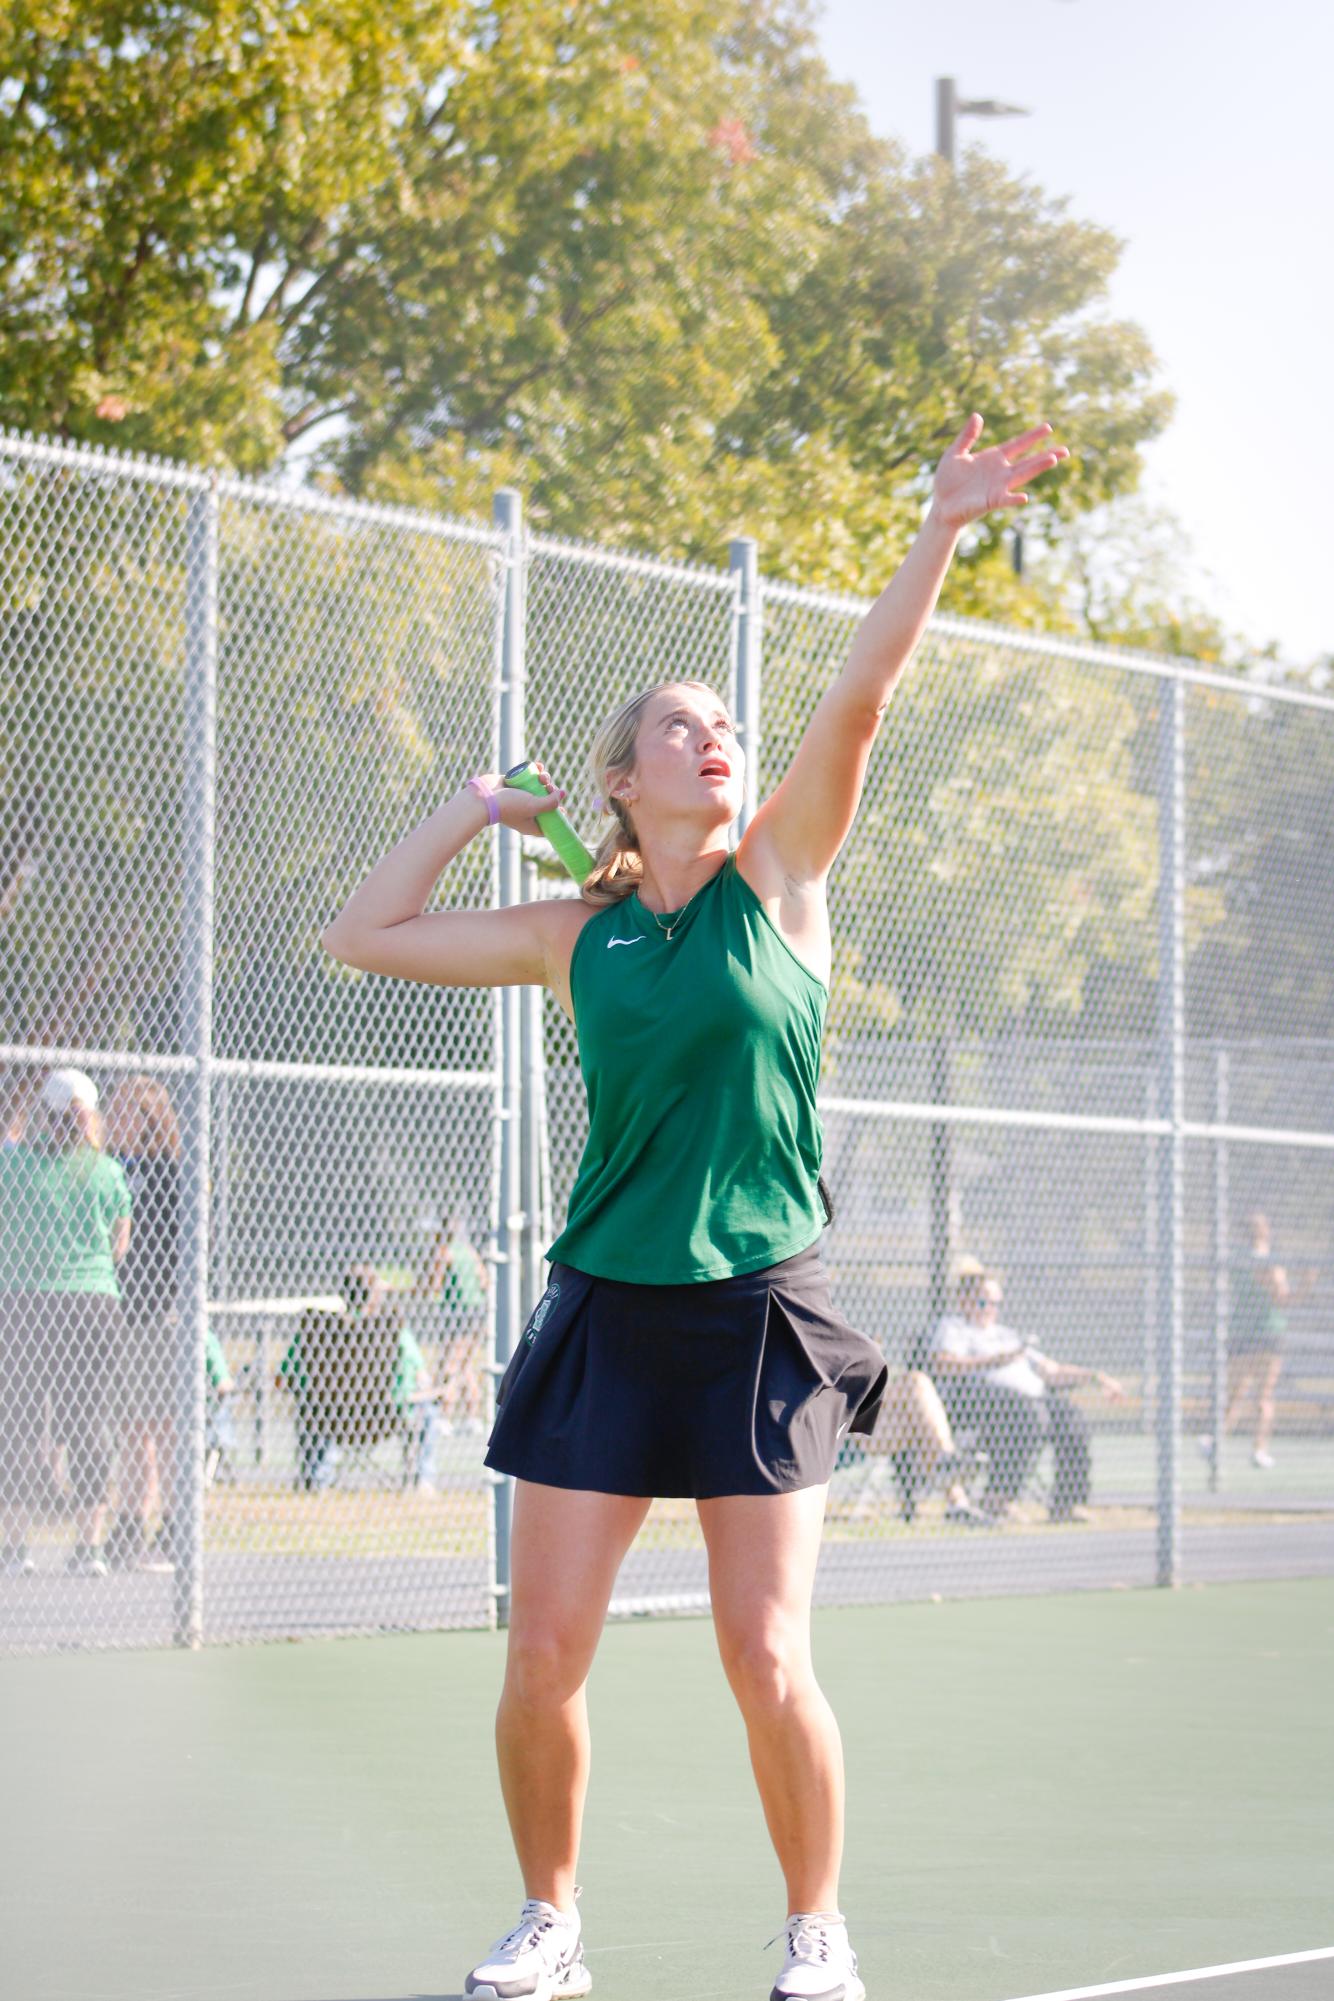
[(1071, 1795)]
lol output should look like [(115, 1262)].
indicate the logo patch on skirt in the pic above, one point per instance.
[(541, 1310)]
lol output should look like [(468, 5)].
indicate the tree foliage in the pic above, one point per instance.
[(645, 260)]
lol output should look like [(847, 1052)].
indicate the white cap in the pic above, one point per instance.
[(64, 1088)]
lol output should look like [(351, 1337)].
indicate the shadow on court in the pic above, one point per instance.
[(1046, 1796)]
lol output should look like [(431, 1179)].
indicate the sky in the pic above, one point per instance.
[(1200, 133)]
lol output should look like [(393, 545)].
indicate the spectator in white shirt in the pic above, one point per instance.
[(991, 1379)]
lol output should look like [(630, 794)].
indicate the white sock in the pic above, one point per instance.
[(565, 1917)]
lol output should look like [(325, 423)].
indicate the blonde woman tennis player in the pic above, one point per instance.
[(686, 1343)]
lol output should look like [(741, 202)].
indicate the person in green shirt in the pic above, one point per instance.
[(1260, 1295), (458, 1280), (219, 1418), (64, 1227), (418, 1400)]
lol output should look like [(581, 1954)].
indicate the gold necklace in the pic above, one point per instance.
[(680, 913)]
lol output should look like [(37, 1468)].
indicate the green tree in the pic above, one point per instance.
[(1261, 832), (163, 168), (648, 262)]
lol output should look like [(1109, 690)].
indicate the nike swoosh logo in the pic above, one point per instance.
[(623, 941), (841, 1429)]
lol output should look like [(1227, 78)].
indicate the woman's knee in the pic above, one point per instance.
[(933, 1423), (766, 1666), (547, 1664)]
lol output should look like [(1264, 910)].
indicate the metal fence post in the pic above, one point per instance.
[(1222, 1276), (1172, 1107), (507, 514), (940, 1175), (1149, 1390), (743, 559), (530, 1057), (196, 1032), (497, 1517)]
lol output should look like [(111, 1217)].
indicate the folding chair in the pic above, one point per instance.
[(349, 1363)]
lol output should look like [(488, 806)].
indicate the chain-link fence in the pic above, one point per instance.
[(1076, 1093)]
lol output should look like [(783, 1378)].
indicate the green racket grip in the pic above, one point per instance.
[(554, 825)]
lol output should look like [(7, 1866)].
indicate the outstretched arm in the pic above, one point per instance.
[(1067, 1374), (806, 819)]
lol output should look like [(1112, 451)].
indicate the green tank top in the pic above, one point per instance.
[(1255, 1313), (700, 1057)]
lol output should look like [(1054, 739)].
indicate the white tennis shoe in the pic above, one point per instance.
[(541, 1959), (820, 1964)]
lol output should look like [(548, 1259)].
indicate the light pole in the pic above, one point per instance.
[(950, 107)]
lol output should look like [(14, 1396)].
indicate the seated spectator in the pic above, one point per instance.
[(365, 1296), (990, 1379)]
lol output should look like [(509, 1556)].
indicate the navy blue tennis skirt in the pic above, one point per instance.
[(741, 1385)]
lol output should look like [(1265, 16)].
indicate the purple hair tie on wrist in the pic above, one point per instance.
[(484, 791)]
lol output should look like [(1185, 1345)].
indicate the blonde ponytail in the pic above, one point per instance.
[(618, 867)]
